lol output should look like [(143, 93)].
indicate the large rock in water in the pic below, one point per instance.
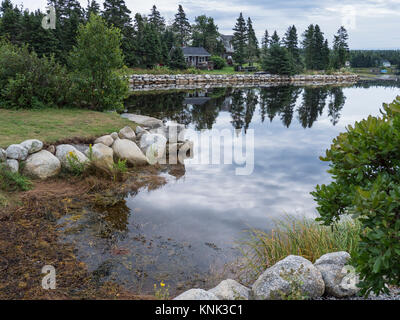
[(153, 146), (143, 121), (103, 156), (32, 145), (3, 155), (281, 280), (128, 150), (64, 151), (17, 152), (42, 165), (231, 290), (197, 294), (331, 266)]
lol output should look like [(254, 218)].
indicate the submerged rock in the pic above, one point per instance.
[(331, 266), (17, 152), (32, 145), (197, 294), (128, 150), (64, 151), (231, 290), (42, 165), (293, 275)]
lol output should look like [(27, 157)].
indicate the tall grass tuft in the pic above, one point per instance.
[(13, 181), (302, 237)]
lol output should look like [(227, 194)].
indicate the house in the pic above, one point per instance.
[(229, 50), (196, 56), (386, 64)]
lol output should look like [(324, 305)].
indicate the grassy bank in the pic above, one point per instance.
[(304, 237), (51, 125)]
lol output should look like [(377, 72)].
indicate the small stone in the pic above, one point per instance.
[(127, 133), (63, 151), (52, 149), (17, 152), (114, 135), (197, 294), (102, 156), (12, 165), (106, 140), (32, 145), (231, 290)]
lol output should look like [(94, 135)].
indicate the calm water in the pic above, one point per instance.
[(184, 229)]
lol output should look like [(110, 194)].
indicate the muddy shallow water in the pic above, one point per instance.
[(188, 227)]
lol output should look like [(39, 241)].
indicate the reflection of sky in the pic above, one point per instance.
[(212, 204)]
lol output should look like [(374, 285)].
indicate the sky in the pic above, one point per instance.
[(371, 24)]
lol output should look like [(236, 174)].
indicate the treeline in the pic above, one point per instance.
[(148, 41), (373, 58)]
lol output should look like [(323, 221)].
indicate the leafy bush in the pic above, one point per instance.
[(13, 181), (219, 63), (27, 81), (365, 166), (96, 61), (75, 166)]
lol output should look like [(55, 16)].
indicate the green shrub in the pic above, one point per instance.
[(75, 166), (97, 82), (365, 166), (177, 60), (27, 81), (13, 181), (219, 63)]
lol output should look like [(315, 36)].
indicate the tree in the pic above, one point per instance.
[(291, 44), (177, 60), (157, 20), (277, 61), (92, 7), (95, 62), (151, 46), (308, 46), (265, 40), (10, 23), (182, 27), (252, 43), (325, 55), (239, 40), (340, 48), (205, 33), (315, 48), (275, 39), (318, 48)]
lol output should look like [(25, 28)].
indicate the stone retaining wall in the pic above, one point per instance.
[(203, 79)]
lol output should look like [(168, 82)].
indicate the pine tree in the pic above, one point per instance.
[(265, 40), (177, 60), (275, 39), (239, 40), (182, 27), (252, 43), (326, 55), (291, 44), (157, 20), (10, 24), (277, 61), (340, 48), (318, 59), (308, 46), (151, 46), (92, 8)]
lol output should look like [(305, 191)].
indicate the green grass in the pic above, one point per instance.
[(304, 237), (52, 125)]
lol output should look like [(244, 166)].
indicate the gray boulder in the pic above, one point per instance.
[(333, 271), (175, 132), (12, 165), (153, 146), (197, 294), (42, 165), (64, 151), (107, 140), (143, 121), (127, 133), (114, 135), (293, 276), (231, 290), (3, 155), (32, 145), (128, 150), (103, 156), (17, 152)]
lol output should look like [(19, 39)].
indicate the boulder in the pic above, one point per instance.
[(114, 135), (42, 165), (17, 152), (32, 145), (231, 290), (139, 130), (333, 271), (63, 151), (282, 280), (103, 156), (3, 155), (143, 121), (106, 140), (196, 294), (175, 132), (153, 145), (12, 165), (127, 133), (128, 150)]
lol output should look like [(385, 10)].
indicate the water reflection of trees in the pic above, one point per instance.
[(201, 108)]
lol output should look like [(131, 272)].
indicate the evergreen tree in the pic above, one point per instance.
[(182, 27), (92, 7), (239, 40), (325, 55), (177, 60), (308, 46), (318, 59), (157, 20), (151, 46), (265, 40), (291, 44), (275, 39), (340, 48), (205, 34), (252, 43), (277, 61), (10, 23)]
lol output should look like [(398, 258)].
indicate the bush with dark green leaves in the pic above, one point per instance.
[(27, 81), (365, 167), (219, 63)]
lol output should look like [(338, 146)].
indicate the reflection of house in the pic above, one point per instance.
[(196, 56), (229, 50)]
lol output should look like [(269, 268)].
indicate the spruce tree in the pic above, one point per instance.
[(275, 39), (291, 44), (157, 20), (318, 59), (308, 46), (239, 41), (182, 27), (326, 55), (277, 61), (177, 60), (340, 48), (252, 43), (92, 8), (265, 40), (10, 24)]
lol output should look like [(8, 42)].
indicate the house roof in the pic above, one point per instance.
[(195, 51)]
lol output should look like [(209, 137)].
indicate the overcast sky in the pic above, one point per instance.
[(371, 24)]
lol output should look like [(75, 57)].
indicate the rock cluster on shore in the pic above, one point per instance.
[(148, 144), (291, 278)]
